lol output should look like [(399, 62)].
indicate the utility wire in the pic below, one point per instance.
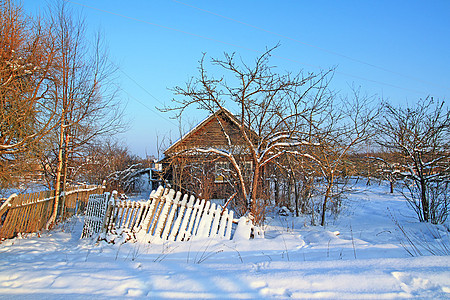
[(312, 46), (238, 46), (144, 89), (163, 26), (139, 85), (146, 106)]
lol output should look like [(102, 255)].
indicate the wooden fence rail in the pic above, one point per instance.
[(26, 213)]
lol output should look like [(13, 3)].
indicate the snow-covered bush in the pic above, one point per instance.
[(437, 195), (419, 139)]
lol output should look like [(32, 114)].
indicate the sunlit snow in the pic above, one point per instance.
[(357, 255)]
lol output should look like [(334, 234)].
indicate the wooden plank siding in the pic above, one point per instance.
[(209, 133)]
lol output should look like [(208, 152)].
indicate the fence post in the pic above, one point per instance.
[(62, 206), (5, 229), (109, 211)]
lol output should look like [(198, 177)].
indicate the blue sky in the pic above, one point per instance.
[(398, 50)]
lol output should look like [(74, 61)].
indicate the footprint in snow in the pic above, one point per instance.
[(265, 290), (258, 267), (275, 292), (421, 287)]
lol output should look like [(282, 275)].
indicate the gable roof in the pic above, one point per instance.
[(205, 128)]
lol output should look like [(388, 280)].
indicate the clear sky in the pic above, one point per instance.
[(398, 50)]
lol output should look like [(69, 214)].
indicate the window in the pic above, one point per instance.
[(247, 169), (221, 168)]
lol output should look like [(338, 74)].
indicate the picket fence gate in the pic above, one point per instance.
[(169, 215), (95, 214)]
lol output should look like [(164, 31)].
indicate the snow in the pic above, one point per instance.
[(358, 255)]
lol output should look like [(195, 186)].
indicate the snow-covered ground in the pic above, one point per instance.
[(357, 255)]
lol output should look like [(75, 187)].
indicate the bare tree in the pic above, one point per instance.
[(270, 120), (86, 98), (419, 138), (388, 167), (302, 177), (334, 135), (27, 58)]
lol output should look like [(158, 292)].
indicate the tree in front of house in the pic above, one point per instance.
[(207, 174), (272, 113)]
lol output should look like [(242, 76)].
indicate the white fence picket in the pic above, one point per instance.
[(186, 218), (157, 212), (229, 225), (164, 213), (169, 221), (199, 215), (154, 199), (204, 220), (215, 223), (192, 219), (223, 222), (142, 211), (176, 225)]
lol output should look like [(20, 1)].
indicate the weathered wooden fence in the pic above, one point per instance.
[(170, 216), (26, 213)]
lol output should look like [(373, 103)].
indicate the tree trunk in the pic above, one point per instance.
[(297, 214), (58, 176), (325, 200), (425, 204), (276, 191), (254, 192), (289, 190), (254, 195), (324, 207), (64, 181)]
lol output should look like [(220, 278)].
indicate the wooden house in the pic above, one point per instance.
[(195, 164)]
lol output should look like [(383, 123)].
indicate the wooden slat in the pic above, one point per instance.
[(158, 209), (155, 197), (215, 223), (192, 220), (199, 214), (169, 222), (164, 213), (187, 215), (177, 224)]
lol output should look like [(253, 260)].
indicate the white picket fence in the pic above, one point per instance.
[(168, 215)]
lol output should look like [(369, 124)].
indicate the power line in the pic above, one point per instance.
[(163, 26), (139, 85), (312, 46), (239, 46), (144, 89), (146, 106)]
